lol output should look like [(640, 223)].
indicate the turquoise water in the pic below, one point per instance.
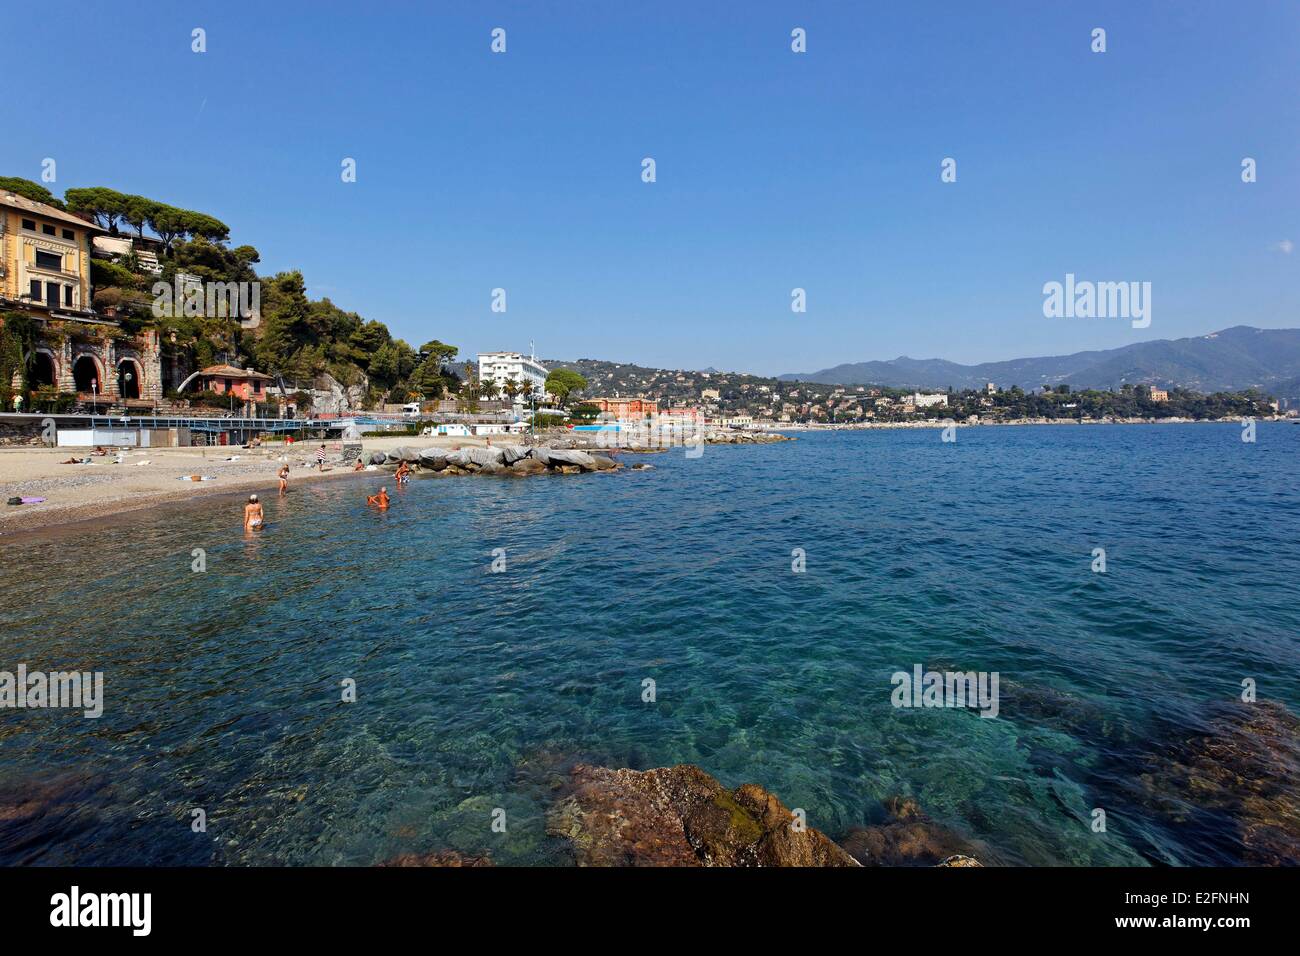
[(476, 688)]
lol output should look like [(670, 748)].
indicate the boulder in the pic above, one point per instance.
[(527, 466), (513, 453), (435, 458), (603, 463), (378, 458), (566, 456), (540, 454), (681, 816), (404, 453)]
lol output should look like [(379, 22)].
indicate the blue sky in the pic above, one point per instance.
[(775, 170)]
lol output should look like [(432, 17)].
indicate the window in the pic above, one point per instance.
[(29, 224), (67, 296), (48, 229), (49, 260), (36, 290), (69, 234)]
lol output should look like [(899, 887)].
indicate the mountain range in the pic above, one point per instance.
[(1238, 358)]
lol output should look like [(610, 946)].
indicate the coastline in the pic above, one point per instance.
[(76, 494)]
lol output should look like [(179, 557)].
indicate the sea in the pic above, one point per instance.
[(349, 686)]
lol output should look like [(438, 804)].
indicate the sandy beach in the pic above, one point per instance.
[(150, 476)]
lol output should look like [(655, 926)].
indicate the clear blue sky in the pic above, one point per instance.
[(775, 170)]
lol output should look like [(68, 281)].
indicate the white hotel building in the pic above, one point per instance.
[(523, 370)]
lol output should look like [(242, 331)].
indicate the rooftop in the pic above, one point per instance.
[(15, 201)]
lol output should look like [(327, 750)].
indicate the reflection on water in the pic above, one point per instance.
[(224, 688)]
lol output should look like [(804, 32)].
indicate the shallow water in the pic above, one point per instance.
[(223, 687)]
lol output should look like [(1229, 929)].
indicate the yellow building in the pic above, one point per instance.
[(45, 272), (44, 258)]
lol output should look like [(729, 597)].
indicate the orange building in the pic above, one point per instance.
[(625, 408), (243, 382)]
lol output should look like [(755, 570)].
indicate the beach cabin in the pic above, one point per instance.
[(454, 431)]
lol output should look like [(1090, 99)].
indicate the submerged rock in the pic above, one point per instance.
[(437, 858), (909, 838), (681, 816), (1236, 782)]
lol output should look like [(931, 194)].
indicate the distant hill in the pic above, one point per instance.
[(1237, 358)]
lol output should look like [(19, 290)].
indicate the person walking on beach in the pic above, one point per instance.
[(320, 457), (252, 514), (380, 500), (284, 478)]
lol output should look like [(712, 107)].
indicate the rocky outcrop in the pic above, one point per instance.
[(681, 816)]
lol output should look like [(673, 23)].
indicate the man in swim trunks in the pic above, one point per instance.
[(403, 472), (252, 514), (380, 500)]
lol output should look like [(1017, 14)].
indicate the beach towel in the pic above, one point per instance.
[(196, 477)]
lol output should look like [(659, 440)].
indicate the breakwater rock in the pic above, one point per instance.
[(516, 461), (681, 816), (744, 438)]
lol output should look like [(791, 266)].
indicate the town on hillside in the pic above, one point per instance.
[(118, 304)]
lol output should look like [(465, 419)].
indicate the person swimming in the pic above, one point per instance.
[(380, 500), (253, 514)]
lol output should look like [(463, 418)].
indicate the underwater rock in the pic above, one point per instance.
[(909, 838), (437, 858), (681, 816)]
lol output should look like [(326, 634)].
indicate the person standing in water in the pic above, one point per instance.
[(284, 478), (253, 514), (403, 472)]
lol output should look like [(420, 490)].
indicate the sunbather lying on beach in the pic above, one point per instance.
[(76, 461), (380, 500), (252, 514)]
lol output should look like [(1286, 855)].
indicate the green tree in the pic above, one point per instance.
[(562, 382)]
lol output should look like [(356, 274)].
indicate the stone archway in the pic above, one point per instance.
[(42, 372), (130, 378), (86, 374)]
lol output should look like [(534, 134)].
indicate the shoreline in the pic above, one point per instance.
[(79, 494)]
